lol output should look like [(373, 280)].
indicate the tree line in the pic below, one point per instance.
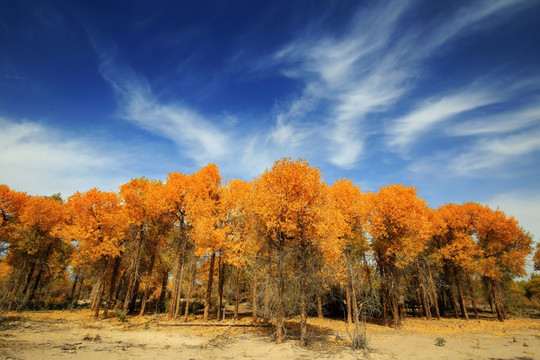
[(286, 243)]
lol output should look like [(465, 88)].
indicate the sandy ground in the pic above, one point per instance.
[(74, 335)]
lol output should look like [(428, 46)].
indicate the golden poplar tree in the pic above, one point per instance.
[(206, 217), (296, 225), (97, 224), (399, 226), (504, 246)]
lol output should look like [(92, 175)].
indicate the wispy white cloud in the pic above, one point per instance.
[(239, 152), (349, 80), (289, 131), (509, 121), (199, 138), (463, 18), (487, 156), (347, 71), (285, 134), (373, 65), (514, 145), (255, 156), (432, 113), (41, 160)]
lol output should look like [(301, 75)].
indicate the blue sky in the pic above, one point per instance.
[(442, 95)]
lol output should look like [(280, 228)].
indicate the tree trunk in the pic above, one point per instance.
[(462, 305), (266, 301), (452, 289), (472, 295), (254, 298), (454, 302), (74, 286), (434, 294), (148, 283), (395, 308), (402, 312), (179, 290), (208, 297), (133, 302), (134, 275), (163, 292), (101, 288), (237, 295), (280, 311), (303, 315), (36, 283), (475, 307), (422, 292), (487, 291), (17, 281), (176, 281), (444, 300), (384, 300), (120, 289), (348, 301), (500, 313), (425, 298), (421, 305), (190, 287), (94, 294), (75, 299), (112, 286), (42, 264), (358, 340), (319, 305), (221, 282), (29, 277)]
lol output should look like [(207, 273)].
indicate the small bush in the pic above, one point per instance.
[(122, 315), (440, 341)]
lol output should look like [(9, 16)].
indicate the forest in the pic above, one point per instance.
[(286, 244)]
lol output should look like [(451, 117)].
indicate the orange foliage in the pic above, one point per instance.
[(350, 205), (205, 211), (288, 216), (240, 246), (11, 203), (140, 202), (146, 206), (174, 194), (399, 225), (97, 222), (504, 244), (292, 204), (5, 270), (476, 236), (41, 213), (458, 245), (39, 218)]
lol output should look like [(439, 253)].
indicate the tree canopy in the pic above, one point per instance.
[(279, 242)]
